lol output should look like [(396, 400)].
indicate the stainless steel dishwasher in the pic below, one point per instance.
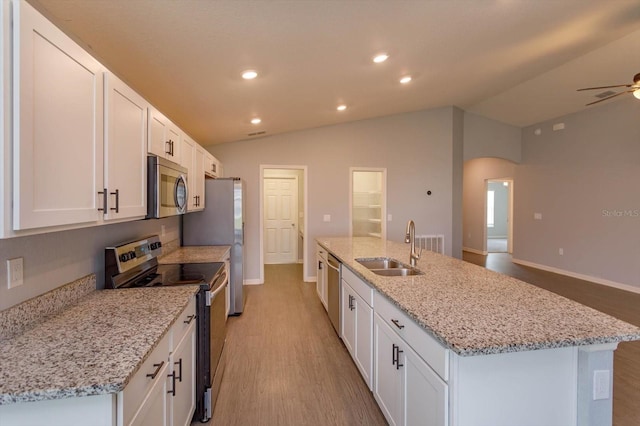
[(333, 291)]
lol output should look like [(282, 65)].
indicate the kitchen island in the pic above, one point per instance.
[(504, 352)]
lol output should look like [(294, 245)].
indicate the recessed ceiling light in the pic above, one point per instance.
[(341, 107), (380, 58), (249, 74), (256, 121), (406, 79)]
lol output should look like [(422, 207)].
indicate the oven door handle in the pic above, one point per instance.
[(212, 295)]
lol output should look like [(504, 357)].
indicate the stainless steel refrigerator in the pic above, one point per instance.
[(221, 223)]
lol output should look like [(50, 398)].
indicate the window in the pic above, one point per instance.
[(490, 208)]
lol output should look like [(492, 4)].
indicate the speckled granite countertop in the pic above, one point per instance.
[(474, 311), (196, 254), (93, 347)]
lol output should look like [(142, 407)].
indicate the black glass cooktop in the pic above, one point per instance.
[(178, 274)]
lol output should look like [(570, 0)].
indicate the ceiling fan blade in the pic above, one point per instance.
[(604, 87), (609, 97)]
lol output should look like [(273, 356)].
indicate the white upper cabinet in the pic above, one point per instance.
[(165, 138), (57, 126), (198, 184), (212, 166), (125, 151), (193, 159)]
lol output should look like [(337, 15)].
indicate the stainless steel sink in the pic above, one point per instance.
[(397, 272), (388, 267), (380, 263)]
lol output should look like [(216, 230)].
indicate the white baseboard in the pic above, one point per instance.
[(497, 237), (253, 281), (471, 250), (571, 274), (311, 279)]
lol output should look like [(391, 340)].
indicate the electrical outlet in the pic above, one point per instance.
[(14, 272), (326, 218), (389, 217), (601, 384), (561, 251), (537, 216)]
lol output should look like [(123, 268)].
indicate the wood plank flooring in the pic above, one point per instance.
[(285, 363), (618, 303)]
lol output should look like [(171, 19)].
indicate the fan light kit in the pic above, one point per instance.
[(341, 107), (256, 121), (405, 79), (633, 88)]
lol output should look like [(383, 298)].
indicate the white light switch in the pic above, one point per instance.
[(389, 217), (326, 218), (537, 216), (14, 272), (558, 126)]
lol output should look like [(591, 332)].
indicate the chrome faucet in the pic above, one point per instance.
[(410, 238)]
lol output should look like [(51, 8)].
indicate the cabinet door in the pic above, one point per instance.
[(364, 337), (58, 126), (158, 143), (348, 319), (154, 410), (425, 394), (199, 176), (188, 152), (388, 377), (211, 165), (183, 403), (125, 148)]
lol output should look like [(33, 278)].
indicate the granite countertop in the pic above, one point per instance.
[(196, 254), (475, 311), (92, 347)]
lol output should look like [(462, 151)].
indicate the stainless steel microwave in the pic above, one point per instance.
[(166, 188)]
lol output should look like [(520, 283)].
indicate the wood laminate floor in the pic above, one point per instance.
[(285, 363), (618, 303)]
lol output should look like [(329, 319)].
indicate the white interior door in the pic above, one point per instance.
[(280, 220)]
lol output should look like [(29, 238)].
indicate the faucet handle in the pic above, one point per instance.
[(419, 253)]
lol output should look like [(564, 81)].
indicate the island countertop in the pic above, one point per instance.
[(93, 347), (475, 311), (196, 254)]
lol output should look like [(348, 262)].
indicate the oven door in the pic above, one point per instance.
[(167, 186), (213, 354)]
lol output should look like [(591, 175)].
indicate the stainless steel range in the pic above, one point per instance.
[(135, 264)]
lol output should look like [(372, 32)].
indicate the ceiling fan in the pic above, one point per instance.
[(633, 88)]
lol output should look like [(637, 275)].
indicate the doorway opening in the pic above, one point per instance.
[(283, 207), (368, 202), (499, 214)]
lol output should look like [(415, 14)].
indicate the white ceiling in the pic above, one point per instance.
[(516, 61)]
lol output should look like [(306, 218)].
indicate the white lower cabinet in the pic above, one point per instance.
[(321, 277), (147, 400), (357, 323)]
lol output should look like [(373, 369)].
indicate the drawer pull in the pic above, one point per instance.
[(158, 368), (189, 319), (351, 299), (397, 324)]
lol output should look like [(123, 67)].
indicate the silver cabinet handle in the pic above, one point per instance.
[(104, 200), (397, 324), (117, 207)]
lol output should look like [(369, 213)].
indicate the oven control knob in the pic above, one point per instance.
[(124, 257), (156, 245), (132, 255)]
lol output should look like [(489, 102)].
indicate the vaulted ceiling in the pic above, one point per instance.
[(516, 61)]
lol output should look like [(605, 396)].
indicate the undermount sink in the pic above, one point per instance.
[(388, 267)]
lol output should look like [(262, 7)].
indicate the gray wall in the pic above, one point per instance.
[(54, 259), (416, 148), (484, 137), (476, 173), (501, 206), (584, 182)]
